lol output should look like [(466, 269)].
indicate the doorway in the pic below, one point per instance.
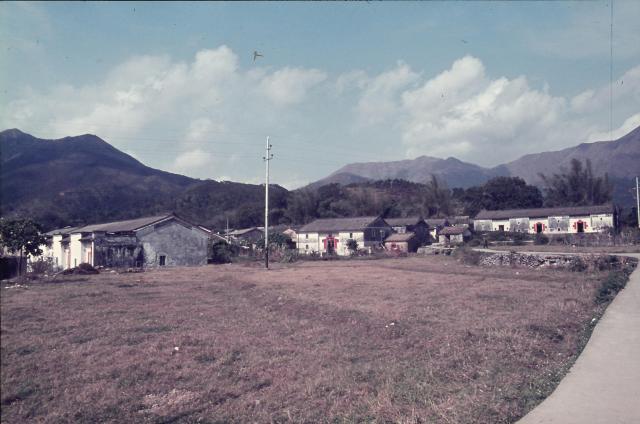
[(580, 226), (162, 260), (538, 228)]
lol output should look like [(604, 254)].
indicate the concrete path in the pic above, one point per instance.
[(603, 386)]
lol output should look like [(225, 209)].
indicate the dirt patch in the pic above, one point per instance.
[(418, 339)]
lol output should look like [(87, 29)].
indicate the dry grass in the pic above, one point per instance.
[(399, 340)]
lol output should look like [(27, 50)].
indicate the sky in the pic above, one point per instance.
[(176, 85)]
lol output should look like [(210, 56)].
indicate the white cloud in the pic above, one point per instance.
[(380, 97), (290, 85), (462, 113), (192, 162), (206, 116), (627, 126)]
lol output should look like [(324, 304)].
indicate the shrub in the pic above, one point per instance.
[(518, 238), (475, 242), (41, 266), (289, 256), (577, 264), (352, 245), (541, 239), (222, 252), (468, 256), (614, 282)]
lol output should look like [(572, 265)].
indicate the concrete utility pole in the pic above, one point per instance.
[(267, 158), (638, 201)]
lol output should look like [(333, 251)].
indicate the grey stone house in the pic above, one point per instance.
[(163, 240)]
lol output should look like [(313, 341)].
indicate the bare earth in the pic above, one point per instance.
[(395, 340)]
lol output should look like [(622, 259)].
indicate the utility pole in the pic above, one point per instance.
[(227, 233), (638, 201), (267, 158)]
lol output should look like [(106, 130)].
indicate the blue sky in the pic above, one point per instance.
[(174, 84)]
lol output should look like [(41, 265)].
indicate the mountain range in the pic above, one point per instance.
[(83, 179), (619, 158)]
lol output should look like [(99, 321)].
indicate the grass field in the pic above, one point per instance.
[(397, 340)]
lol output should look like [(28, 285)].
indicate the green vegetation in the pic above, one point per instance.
[(22, 237), (577, 187)]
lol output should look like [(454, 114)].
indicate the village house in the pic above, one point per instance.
[(454, 235), (413, 224), (565, 220), (164, 240), (247, 235), (402, 242), (331, 236)]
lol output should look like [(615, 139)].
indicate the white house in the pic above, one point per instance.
[(331, 236), (566, 220)]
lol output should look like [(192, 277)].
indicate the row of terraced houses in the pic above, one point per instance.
[(167, 240)]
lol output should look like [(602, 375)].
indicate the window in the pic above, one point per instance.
[(163, 260), (306, 247), (350, 235), (306, 236)]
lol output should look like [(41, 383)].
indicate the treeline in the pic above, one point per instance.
[(214, 203), (576, 186)]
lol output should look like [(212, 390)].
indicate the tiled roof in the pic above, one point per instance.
[(435, 222), (452, 231), (545, 212), (62, 231), (244, 231), (123, 226), (399, 237), (119, 226), (339, 224), (403, 222)]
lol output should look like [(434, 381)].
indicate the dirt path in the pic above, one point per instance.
[(603, 386)]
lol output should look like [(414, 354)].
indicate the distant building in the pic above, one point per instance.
[(402, 242), (331, 236), (567, 220), (454, 235), (414, 224), (248, 235), (164, 240)]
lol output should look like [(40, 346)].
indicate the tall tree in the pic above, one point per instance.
[(437, 200), (499, 193), (577, 187)]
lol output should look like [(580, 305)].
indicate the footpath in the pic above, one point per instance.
[(603, 386)]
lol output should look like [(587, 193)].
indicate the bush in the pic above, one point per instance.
[(614, 282), (84, 269), (41, 266), (577, 264), (541, 239), (289, 256), (222, 252), (518, 238), (475, 242), (352, 245), (467, 256)]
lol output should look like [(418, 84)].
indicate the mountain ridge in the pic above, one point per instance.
[(619, 158)]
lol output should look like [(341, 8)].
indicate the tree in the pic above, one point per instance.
[(499, 193), (352, 245), (437, 198), (21, 236), (577, 187)]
